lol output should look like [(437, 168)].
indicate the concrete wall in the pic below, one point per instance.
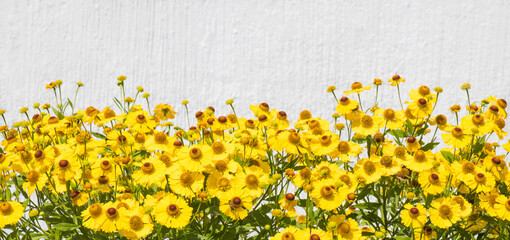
[(285, 53)]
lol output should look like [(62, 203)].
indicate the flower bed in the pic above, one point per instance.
[(370, 173)]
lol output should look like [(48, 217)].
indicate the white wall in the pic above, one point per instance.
[(284, 52)]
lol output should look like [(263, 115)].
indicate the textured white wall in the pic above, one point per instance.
[(284, 52)]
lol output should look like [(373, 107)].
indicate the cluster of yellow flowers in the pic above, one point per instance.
[(95, 173)]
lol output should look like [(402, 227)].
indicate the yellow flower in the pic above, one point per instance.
[(432, 182), (164, 111), (346, 105), (346, 229), (195, 158), (368, 170), (344, 150), (357, 87), (327, 195), (456, 138), (288, 233), (425, 233), (502, 207), (313, 234), (172, 212), (94, 217), (420, 161), (367, 125), (415, 216), (481, 181), (444, 212), (140, 224), (396, 80), (186, 183), (465, 206), (236, 203), (10, 213), (251, 180), (35, 179), (151, 172)]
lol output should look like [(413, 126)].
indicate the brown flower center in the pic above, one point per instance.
[(136, 223), (173, 210), (63, 163), (290, 196), (195, 153), (160, 138), (6, 208), (444, 211), (95, 210), (367, 121), (343, 147)]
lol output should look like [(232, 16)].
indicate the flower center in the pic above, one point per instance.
[(496, 160), (477, 120), (112, 213), (326, 191), (103, 180), (457, 132), (186, 179), (351, 196), (282, 115), (441, 119), (419, 156), (38, 154), (344, 228), (160, 138), (140, 118), (411, 140), (95, 210), (136, 223), (105, 165), (424, 90), (344, 101), (288, 236), (221, 166), (325, 140), (173, 210), (480, 178), (494, 108), (305, 114), (345, 179), (252, 180), (315, 237), (223, 183), (140, 138), (109, 113), (195, 153), (399, 151), (434, 178), (414, 212), (32, 176), (264, 107), (468, 167), (305, 173), (294, 138), (343, 147), (222, 119), (6, 208), (369, 167), (63, 163), (290, 196), (148, 168), (356, 85), (459, 200), (389, 114), (367, 122), (122, 139), (386, 161), (236, 202), (444, 211), (395, 77), (218, 148), (422, 102)]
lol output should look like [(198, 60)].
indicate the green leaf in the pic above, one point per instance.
[(59, 115), (402, 238), (65, 227), (368, 205), (398, 133), (98, 135), (429, 146), (448, 156)]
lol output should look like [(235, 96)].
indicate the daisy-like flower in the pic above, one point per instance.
[(10, 213), (263, 108), (327, 196), (115, 217), (357, 87), (164, 112), (140, 224), (476, 124), (219, 183), (368, 170), (172, 212), (324, 171), (344, 150), (151, 172), (252, 179), (346, 229), (420, 108), (456, 138), (488, 203), (425, 233), (420, 161), (481, 181), (396, 80), (392, 119), (236, 203), (502, 207), (313, 234), (35, 179), (432, 182), (324, 144), (288, 233), (444, 212), (94, 217), (415, 216), (367, 125), (186, 183), (346, 105), (465, 206), (194, 158), (390, 165), (422, 92), (140, 121), (159, 142), (292, 142)]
